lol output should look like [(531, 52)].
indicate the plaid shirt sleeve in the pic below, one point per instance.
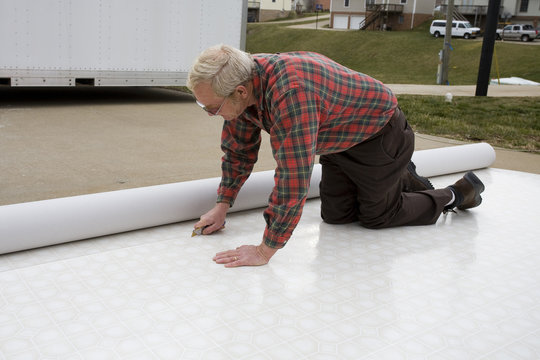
[(293, 139), (240, 142)]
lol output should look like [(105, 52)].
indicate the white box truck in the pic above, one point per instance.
[(112, 42)]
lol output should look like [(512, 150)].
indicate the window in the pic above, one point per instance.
[(401, 19), (402, 1), (524, 6), (346, 4)]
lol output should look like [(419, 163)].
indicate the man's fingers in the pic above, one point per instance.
[(229, 254), (241, 256), (209, 229), (201, 224), (228, 258)]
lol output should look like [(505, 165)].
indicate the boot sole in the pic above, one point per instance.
[(412, 170), (478, 187)]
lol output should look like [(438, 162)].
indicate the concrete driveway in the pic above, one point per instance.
[(62, 142)]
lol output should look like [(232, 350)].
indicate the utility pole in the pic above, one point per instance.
[(488, 44), (443, 76)]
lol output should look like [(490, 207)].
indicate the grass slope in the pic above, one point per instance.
[(398, 57)]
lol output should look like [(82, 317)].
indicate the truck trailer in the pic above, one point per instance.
[(112, 42)]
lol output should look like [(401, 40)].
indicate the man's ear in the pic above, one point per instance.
[(242, 91)]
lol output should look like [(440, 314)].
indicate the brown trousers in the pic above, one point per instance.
[(364, 182)]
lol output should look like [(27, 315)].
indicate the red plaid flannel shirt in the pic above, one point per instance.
[(309, 105)]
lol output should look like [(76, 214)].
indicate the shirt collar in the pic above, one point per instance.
[(257, 85)]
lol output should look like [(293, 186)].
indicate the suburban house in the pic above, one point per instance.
[(264, 10), (511, 11), (323, 4), (522, 11), (311, 5), (380, 14)]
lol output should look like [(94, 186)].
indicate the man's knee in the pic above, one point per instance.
[(374, 223), (337, 219), (377, 219), (369, 223)]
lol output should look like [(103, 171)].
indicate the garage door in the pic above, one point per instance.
[(341, 21), (355, 22)]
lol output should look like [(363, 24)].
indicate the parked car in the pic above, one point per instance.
[(459, 28), (523, 32)]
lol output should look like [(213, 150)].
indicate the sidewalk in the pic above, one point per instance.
[(465, 90), (324, 16), (316, 22)]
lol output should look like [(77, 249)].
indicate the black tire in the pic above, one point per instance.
[(436, 34), (466, 36), (498, 37), (524, 38)]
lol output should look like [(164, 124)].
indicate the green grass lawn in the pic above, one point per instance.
[(397, 57), (512, 123)]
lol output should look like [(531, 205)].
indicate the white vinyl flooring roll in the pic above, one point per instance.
[(48, 222), (449, 160)]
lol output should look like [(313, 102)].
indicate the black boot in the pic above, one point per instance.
[(467, 191)]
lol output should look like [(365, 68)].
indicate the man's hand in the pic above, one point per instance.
[(245, 255), (214, 219)]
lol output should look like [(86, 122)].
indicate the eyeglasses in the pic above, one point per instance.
[(211, 112)]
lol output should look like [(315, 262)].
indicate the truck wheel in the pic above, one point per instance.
[(498, 37), (466, 36), (525, 38), (436, 34)]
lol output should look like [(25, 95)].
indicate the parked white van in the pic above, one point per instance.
[(459, 28)]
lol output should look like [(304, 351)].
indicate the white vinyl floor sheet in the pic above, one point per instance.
[(465, 288)]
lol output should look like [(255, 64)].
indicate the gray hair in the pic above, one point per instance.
[(224, 67)]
